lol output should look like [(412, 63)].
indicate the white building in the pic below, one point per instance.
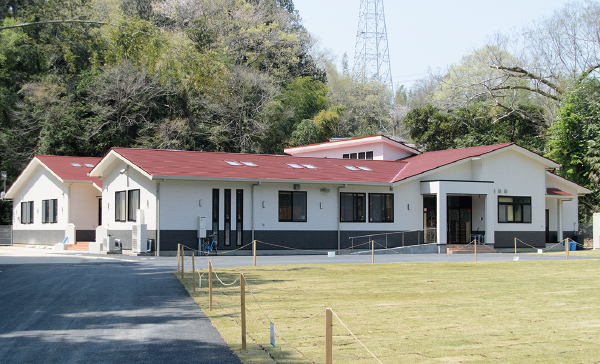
[(325, 193), (51, 192)]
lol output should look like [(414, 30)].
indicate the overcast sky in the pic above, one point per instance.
[(422, 34)]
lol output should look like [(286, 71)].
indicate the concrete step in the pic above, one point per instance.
[(78, 246)]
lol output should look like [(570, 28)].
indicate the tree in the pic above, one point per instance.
[(574, 142)]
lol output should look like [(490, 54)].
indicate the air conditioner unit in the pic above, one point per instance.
[(108, 244), (139, 235)]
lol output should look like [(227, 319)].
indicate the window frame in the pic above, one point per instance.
[(515, 210), (291, 207), (27, 211), (131, 212), (355, 199), (384, 218), (49, 211), (120, 214)]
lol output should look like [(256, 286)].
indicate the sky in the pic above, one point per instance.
[(425, 34)]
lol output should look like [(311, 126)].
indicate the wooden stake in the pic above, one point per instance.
[(182, 260), (254, 251), (178, 258), (243, 308), (372, 251), (567, 247), (210, 285), (515, 245), (328, 337), (193, 273)]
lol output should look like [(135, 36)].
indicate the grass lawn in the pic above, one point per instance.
[(470, 312)]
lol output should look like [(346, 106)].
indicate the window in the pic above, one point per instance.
[(49, 211), (361, 155), (514, 209), (381, 207), (346, 156), (239, 220), (120, 206), (352, 207), (133, 203), (227, 217), (215, 215), (27, 212), (353, 156), (292, 206), (370, 155)]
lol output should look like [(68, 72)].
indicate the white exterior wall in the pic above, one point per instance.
[(113, 181), (570, 208), (42, 185), (180, 206), (519, 175), (84, 206), (381, 151)]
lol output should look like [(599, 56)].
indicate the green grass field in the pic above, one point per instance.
[(473, 312)]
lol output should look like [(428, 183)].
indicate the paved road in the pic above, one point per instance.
[(102, 311)]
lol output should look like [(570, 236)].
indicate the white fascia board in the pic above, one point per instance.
[(549, 163), (107, 161), (28, 171), (220, 179), (580, 189)]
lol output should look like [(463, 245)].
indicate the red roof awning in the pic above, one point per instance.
[(557, 192)]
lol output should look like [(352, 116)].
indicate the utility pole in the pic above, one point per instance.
[(371, 54)]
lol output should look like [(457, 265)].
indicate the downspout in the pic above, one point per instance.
[(158, 217), (252, 203), (339, 217)]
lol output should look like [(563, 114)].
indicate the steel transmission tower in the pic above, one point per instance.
[(371, 55)]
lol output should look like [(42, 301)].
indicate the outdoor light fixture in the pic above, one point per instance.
[(263, 204), (408, 206), (321, 205), (326, 190), (200, 203)]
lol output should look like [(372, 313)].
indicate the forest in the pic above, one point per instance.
[(78, 77)]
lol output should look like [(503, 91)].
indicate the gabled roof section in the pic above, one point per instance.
[(557, 192), (350, 142), (427, 162), (580, 189), (65, 169), (156, 164)]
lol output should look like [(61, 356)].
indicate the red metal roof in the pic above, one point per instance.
[(268, 167), (557, 192), (276, 167), (419, 164), (63, 167)]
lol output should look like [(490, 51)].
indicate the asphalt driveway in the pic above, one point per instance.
[(102, 312)]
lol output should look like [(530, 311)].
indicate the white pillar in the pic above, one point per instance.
[(559, 222), (490, 217), (442, 215)]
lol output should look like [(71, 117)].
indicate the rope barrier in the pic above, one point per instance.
[(263, 311), (306, 319), (351, 333), (230, 284)]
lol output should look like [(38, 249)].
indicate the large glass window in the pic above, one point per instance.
[(49, 211), (27, 212), (352, 207), (227, 217), (381, 207), (215, 214), (239, 220), (120, 206), (514, 209), (133, 203), (292, 206)]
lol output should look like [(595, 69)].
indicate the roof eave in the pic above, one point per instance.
[(267, 180)]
